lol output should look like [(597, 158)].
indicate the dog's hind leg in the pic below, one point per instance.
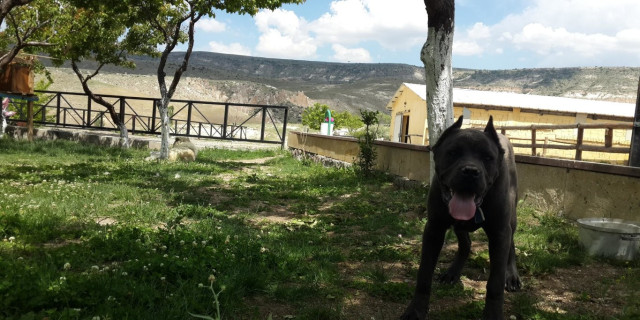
[(452, 275)]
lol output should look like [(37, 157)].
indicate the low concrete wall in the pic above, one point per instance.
[(406, 160), (97, 138), (574, 189)]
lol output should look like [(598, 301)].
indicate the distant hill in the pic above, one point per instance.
[(343, 86), (611, 84)]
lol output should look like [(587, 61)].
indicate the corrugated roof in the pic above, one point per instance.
[(534, 102)]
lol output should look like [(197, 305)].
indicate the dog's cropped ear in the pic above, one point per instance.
[(493, 134), (453, 128)]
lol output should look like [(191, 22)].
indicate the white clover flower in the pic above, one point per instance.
[(165, 255), (212, 278), (12, 239), (162, 278), (163, 248), (66, 266), (124, 273), (62, 279), (204, 242), (200, 285), (95, 268), (182, 242), (195, 244)]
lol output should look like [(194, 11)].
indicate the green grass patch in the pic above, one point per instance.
[(89, 232)]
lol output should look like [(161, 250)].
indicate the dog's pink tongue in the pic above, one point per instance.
[(462, 207)]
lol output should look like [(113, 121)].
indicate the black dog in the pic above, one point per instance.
[(475, 186)]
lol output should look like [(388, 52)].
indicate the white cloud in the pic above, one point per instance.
[(343, 54), (234, 48), (468, 45), (396, 25), (285, 21), (544, 40), (211, 25), (284, 35), (560, 33), (392, 24), (275, 44), (467, 48), (479, 31)]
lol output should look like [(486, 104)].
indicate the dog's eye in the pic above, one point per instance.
[(452, 153)]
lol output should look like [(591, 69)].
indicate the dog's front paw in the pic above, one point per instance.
[(415, 311), (512, 283)]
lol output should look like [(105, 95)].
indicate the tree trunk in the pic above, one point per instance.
[(124, 136), (165, 126), (634, 155), (167, 93), (436, 56), (117, 119)]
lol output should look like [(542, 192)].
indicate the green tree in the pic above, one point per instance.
[(30, 24), (312, 117), (347, 120), (104, 31), (173, 22), (367, 155)]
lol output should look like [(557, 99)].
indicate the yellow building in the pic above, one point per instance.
[(409, 118)]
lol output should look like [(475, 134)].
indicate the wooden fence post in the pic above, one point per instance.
[(634, 153), (608, 137), (579, 143), (30, 120), (533, 142)]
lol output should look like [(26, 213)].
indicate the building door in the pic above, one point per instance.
[(397, 127), (405, 129)]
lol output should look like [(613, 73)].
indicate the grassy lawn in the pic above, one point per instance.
[(88, 232)]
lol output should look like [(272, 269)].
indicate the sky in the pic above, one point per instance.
[(489, 34)]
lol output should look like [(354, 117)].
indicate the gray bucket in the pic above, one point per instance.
[(614, 238)]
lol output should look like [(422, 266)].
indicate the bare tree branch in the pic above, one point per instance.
[(98, 99)]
